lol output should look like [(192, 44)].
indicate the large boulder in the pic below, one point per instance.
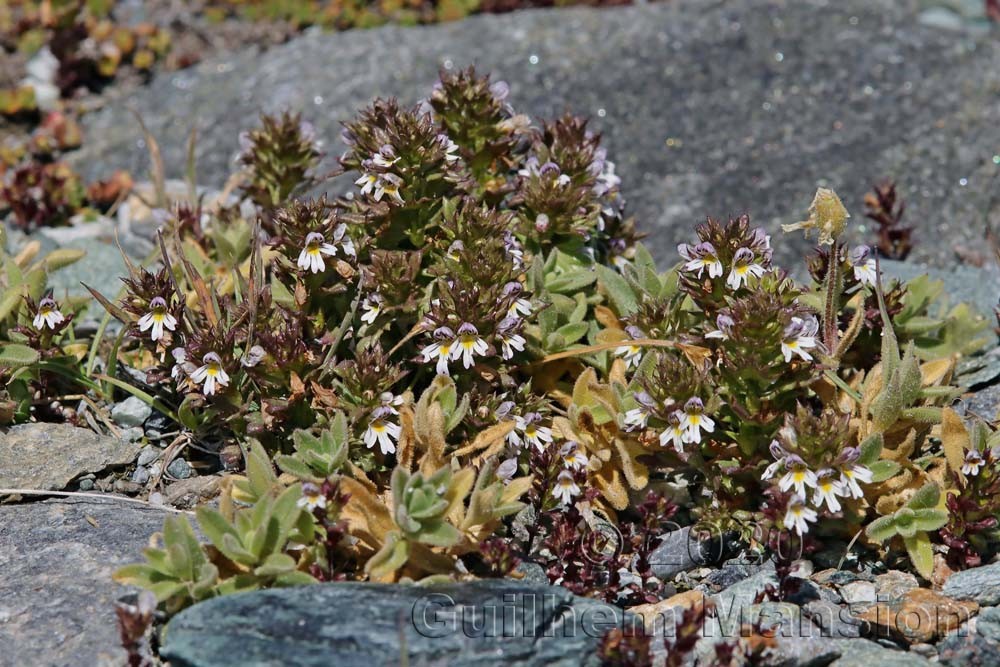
[(56, 593), (478, 624)]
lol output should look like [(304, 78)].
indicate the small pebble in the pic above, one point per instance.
[(131, 412), (180, 469), (147, 455), (140, 475), (86, 485)]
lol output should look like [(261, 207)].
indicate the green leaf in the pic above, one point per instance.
[(883, 470), (870, 449), (214, 525), (619, 294), (274, 565), (881, 529), (929, 519), (571, 333), (567, 283), (15, 355), (927, 496), (393, 555), (921, 554)]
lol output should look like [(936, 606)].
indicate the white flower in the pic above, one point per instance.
[(700, 257), (973, 462), (850, 476), (450, 148), (454, 252), (865, 268), (312, 497), (367, 183), (469, 344), (533, 433), (530, 168), (779, 455), (210, 373), (632, 354), (674, 434), (390, 401), (799, 336), (311, 257), (744, 266), (157, 318), (386, 156), (371, 307), (440, 349), (382, 431), (798, 516), (565, 488), (828, 487), (797, 475), (514, 250), (341, 238), (510, 340), (182, 369), (506, 470), (694, 419), (725, 327), (388, 184), (572, 456), (607, 180), (637, 418), (48, 314), (519, 306)]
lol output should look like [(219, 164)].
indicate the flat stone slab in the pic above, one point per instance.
[(709, 107), (47, 457), (478, 624), (56, 593)]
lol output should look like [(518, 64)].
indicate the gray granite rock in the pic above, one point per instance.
[(49, 456), (56, 593), (976, 642), (483, 623), (834, 620), (708, 107), (678, 552), (865, 653), (980, 584)]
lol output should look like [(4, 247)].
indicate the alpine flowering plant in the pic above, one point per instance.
[(473, 333)]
